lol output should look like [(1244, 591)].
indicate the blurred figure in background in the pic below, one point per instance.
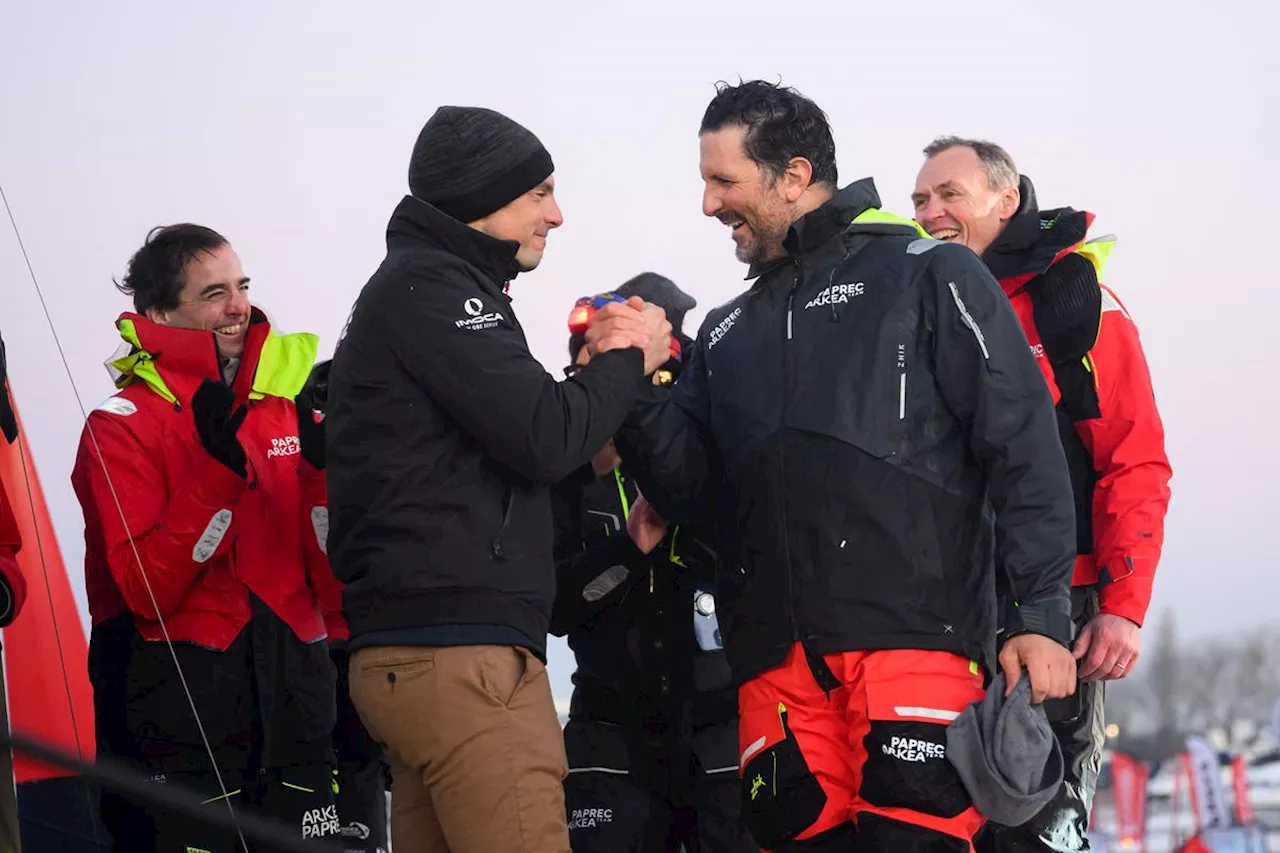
[(652, 732), (363, 772)]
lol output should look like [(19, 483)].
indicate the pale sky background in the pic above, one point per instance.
[(288, 126)]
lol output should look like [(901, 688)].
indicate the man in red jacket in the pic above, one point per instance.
[(209, 591), (13, 586), (1087, 346)]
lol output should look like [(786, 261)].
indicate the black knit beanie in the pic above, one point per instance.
[(661, 291), (658, 290), (470, 161)]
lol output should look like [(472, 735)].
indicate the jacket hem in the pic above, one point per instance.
[(444, 607), (757, 663)]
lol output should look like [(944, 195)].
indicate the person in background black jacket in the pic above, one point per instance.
[(443, 437), (849, 422), (652, 731), (362, 771)]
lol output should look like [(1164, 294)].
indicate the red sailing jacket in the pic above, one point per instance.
[(171, 532), (1088, 348), (10, 572)]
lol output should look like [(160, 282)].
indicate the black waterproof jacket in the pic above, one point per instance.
[(444, 435), (848, 418), (642, 626)]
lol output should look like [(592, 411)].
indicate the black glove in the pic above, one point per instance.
[(313, 397), (8, 421), (216, 425)]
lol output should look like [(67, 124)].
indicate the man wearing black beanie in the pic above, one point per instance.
[(443, 437)]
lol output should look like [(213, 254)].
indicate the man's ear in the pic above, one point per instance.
[(1010, 198), (797, 178), (158, 316)]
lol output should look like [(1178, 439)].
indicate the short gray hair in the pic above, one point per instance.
[(999, 166)]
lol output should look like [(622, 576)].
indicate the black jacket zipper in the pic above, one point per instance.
[(507, 501), (797, 279)]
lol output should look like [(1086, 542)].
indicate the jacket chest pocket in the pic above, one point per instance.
[(745, 389), (855, 379)]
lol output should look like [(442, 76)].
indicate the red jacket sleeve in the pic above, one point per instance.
[(315, 524), (1131, 496), (158, 531), (15, 592)]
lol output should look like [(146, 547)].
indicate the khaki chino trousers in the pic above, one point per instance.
[(477, 755)]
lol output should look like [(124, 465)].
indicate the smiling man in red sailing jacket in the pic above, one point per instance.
[(204, 532), (1087, 346)]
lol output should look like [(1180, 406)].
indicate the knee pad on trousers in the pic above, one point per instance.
[(907, 768), (877, 832), (781, 796)]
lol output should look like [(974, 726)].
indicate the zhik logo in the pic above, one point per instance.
[(478, 318)]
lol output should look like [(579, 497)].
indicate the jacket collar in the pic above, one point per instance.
[(1034, 240), (415, 222), (833, 218), (173, 362)]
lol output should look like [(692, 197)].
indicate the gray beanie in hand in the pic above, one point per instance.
[(1006, 754), (470, 161)]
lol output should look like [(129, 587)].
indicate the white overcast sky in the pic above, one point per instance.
[(287, 126)]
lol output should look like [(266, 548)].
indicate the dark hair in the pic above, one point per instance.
[(157, 271), (780, 123)]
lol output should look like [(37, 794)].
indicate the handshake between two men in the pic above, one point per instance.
[(630, 323)]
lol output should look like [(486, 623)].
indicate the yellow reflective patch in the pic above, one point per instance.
[(284, 365), (875, 216), (1098, 252)]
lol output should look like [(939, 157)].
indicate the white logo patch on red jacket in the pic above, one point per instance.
[(209, 541), (286, 446), (118, 406)]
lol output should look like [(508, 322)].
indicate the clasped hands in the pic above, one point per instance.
[(634, 323)]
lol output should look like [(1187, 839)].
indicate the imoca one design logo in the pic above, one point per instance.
[(476, 317)]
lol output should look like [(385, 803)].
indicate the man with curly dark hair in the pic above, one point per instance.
[(842, 425)]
